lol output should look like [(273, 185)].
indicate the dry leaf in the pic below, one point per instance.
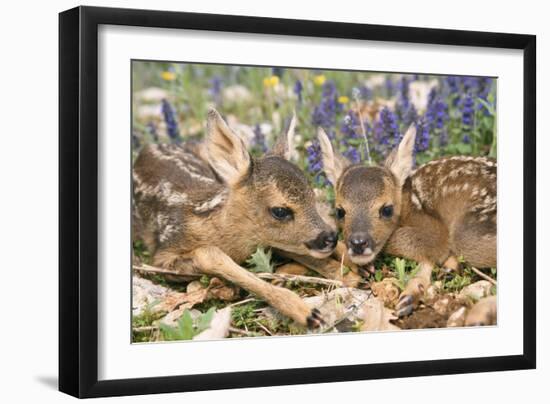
[(161, 299), (217, 289), (386, 290), (377, 317)]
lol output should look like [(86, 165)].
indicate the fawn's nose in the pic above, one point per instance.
[(330, 239), (359, 243), (324, 241)]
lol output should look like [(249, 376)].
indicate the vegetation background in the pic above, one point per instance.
[(364, 113)]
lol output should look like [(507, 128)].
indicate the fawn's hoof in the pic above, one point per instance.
[(404, 306), (315, 320), (410, 297)]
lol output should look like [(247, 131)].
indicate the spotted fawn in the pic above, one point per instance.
[(442, 210), (204, 208)]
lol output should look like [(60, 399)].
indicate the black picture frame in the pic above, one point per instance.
[(78, 200)]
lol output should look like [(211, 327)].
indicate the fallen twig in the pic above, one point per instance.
[(149, 269), (263, 327), (300, 278), (145, 328), (484, 276), (236, 330)]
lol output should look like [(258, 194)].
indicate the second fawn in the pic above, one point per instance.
[(204, 208), (442, 210)]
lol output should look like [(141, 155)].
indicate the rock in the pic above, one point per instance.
[(441, 305), (477, 291), (145, 293), (236, 94), (219, 326), (457, 318), (151, 94)]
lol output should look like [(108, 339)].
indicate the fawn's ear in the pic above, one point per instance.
[(400, 160), (226, 151), (284, 147), (333, 162)]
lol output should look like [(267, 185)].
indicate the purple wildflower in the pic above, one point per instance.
[(277, 71), (324, 114), (136, 142), (422, 141), (467, 109), (453, 83), (351, 136), (259, 143), (152, 130), (386, 131), (315, 162), (484, 88), (389, 87), (298, 87), (437, 111), (215, 90), (365, 93), (171, 122)]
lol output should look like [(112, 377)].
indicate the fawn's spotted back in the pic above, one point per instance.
[(456, 186)]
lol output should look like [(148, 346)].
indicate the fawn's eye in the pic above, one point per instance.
[(340, 213), (386, 211), (282, 214)]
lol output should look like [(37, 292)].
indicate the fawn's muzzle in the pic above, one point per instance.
[(325, 242), (360, 243)]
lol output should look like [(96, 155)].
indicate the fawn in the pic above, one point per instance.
[(443, 210), (203, 208)]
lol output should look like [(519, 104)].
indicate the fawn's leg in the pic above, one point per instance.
[(414, 291), (425, 242), (484, 312), (213, 261)]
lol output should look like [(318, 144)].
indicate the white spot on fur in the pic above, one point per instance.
[(180, 164), (211, 203), (416, 201)]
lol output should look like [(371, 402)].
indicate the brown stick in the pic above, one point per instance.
[(262, 275), (486, 277), (299, 278)]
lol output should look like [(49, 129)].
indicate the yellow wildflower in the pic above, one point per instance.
[(168, 75), (319, 80), (271, 81), (343, 99)]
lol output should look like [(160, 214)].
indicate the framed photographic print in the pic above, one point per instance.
[(241, 194)]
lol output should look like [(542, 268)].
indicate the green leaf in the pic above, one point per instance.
[(205, 319), (185, 324), (464, 148), (260, 261), (489, 107)]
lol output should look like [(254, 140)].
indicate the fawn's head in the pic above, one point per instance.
[(368, 199), (270, 193)]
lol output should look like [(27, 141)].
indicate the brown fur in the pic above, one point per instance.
[(445, 209), (205, 208)]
